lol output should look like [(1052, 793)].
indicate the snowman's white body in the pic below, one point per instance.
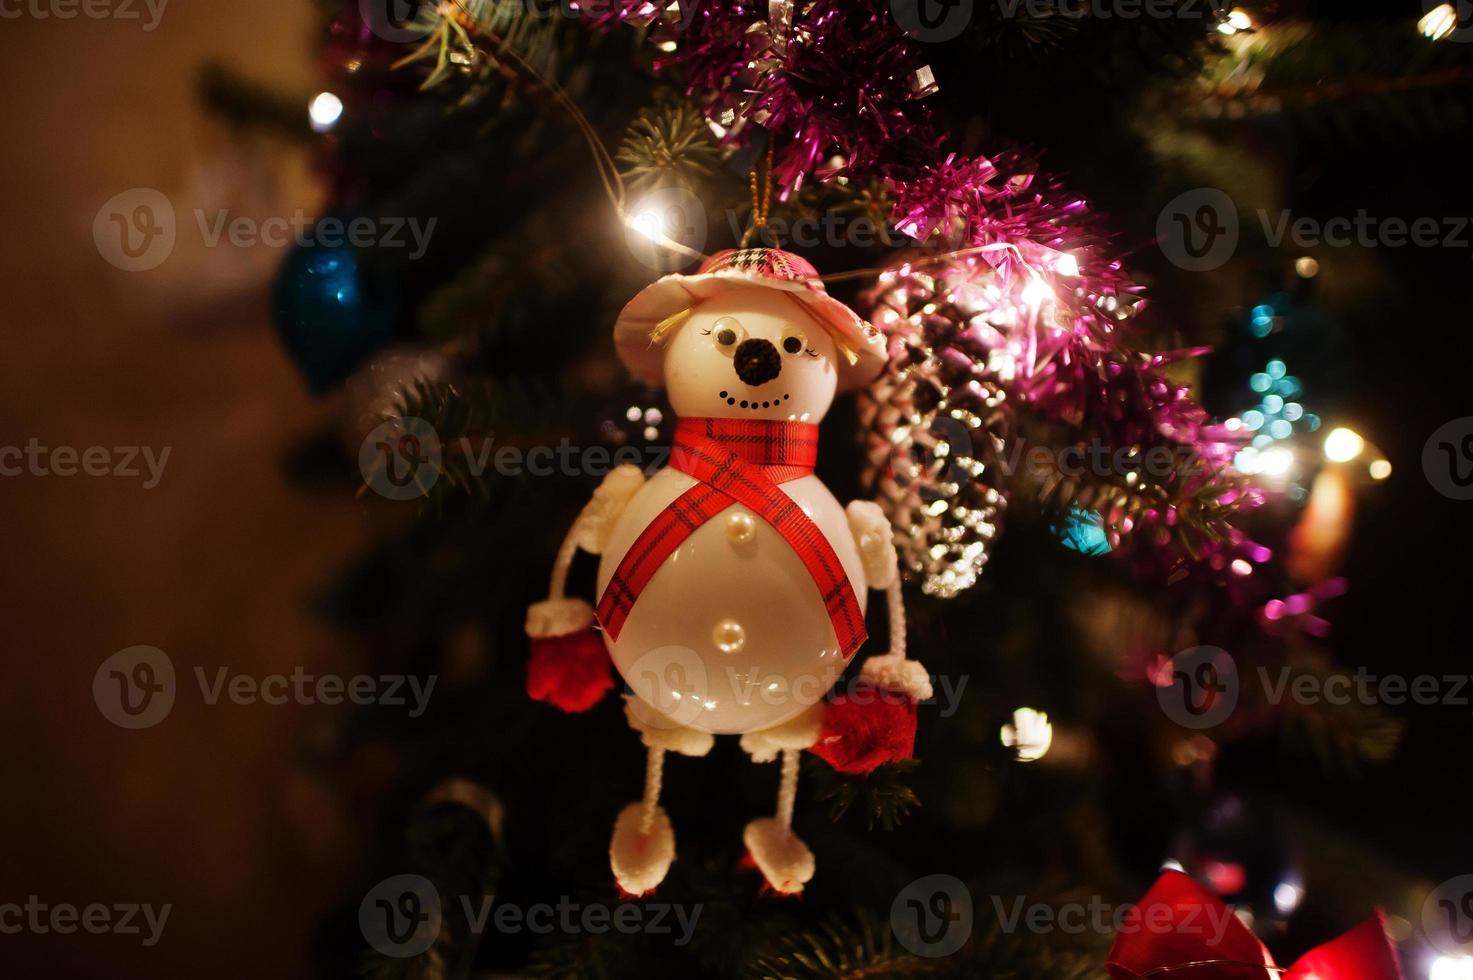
[(668, 648)]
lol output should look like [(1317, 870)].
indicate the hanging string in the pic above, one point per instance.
[(613, 180), (1160, 970)]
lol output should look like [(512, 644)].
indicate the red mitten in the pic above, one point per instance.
[(866, 728), (569, 667)]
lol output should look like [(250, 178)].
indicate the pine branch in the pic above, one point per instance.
[(668, 144), (883, 795), (838, 950)]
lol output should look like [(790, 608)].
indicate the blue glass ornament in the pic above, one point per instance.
[(1083, 531), (329, 315)]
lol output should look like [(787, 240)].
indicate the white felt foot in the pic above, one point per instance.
[(784, 860), (641, 860)]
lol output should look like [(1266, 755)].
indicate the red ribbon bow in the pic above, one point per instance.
[(1181, 931)]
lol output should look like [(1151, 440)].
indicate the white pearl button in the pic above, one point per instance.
[(740, 527), (729, 636)]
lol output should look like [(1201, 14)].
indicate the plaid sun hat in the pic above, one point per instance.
[(862, 346)]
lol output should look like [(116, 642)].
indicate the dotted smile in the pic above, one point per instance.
[(753, 404)]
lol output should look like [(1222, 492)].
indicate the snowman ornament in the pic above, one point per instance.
[(732, 586)]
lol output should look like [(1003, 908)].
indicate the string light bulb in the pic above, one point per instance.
[(324, 110), (1029, 735), (1342, 445), (1438, 22)]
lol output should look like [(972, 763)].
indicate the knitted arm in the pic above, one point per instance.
[(569, 667), (873, 537)]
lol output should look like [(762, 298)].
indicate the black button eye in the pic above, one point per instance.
[(792, 345), (726, 337)]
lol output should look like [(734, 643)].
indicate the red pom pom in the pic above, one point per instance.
[(569, 672), (865, 729)]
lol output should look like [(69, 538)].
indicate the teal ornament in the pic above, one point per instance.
[(1083, 531), (330, 315)]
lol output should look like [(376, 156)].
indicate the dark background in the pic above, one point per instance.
[(215, 810)]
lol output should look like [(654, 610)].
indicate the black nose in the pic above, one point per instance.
[(757, 362)]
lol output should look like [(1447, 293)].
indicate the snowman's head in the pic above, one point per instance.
[(751, 353), (751, 334)]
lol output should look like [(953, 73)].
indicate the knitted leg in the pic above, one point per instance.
[(784, 860), (644, 843)]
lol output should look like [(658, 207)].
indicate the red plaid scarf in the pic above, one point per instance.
[(738, 461)]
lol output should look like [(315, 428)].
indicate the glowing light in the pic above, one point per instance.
[(1067, 265), (1240, 20), (1287, 896), (1253, 420), (648, 224), (1438, 22), (1451, 968), (1241, 567), (1281, 428), (1342, 445), (1275, 461), (1260, 382), (1263, 320), (1036, 293), (1276, 369), (324, 110), (1029, 735), (1380, 469), (1171, 864), (1306, 267)]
